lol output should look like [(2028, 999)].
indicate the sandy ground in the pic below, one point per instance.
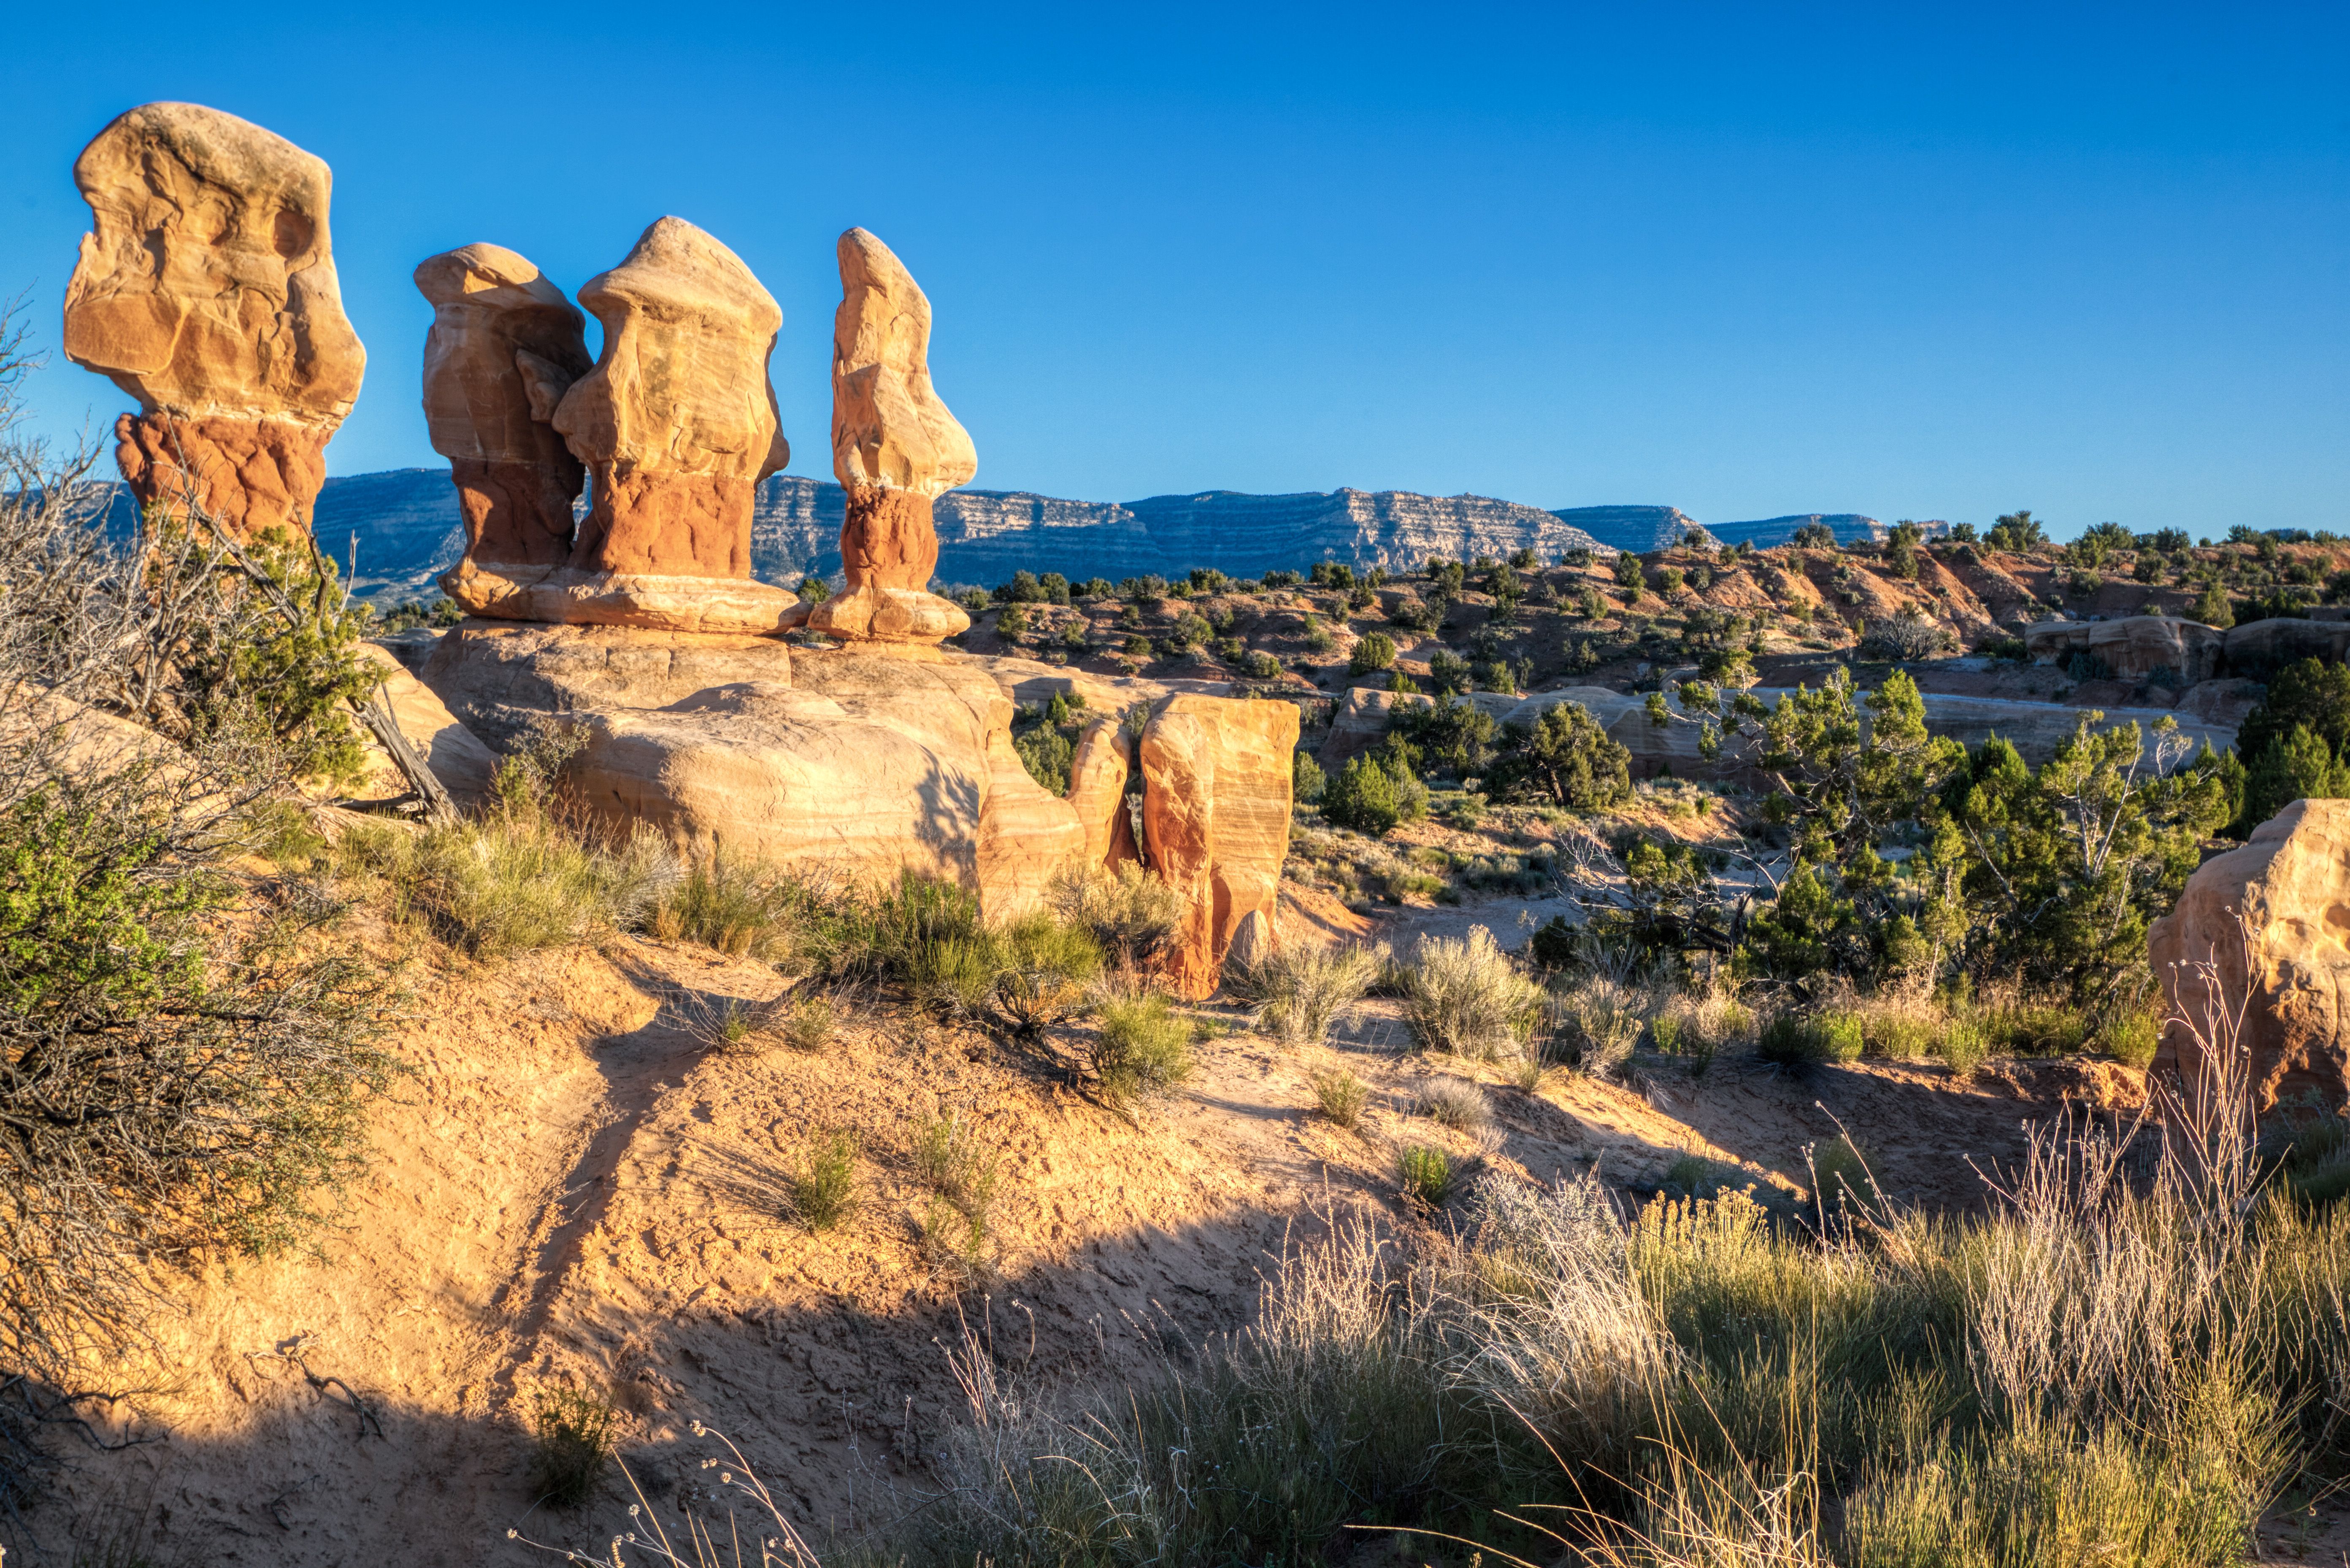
[(577, 1187)]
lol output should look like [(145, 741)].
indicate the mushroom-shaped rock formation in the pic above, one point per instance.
[(206, 290), (506, 345), (677, 426), (894, 448)]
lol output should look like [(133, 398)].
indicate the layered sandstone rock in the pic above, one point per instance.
[(501, 681), (2134, 646), (206, 290), (677, 425), (855, 773), (2270, 919), (505, 348), (894, 448), (1215, 817), (1097, 775)]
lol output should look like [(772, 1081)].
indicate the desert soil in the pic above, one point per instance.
[(577, 1187)]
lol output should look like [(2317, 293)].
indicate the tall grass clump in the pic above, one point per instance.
[(1302, 991), (824, 1188), (1599, 1022), (1140, 1049), (572, 1445), (1130, 913), (1466, 998), (739, 908)]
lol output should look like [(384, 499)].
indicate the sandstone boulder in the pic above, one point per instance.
[(676, 424), (860, 770), (2260, 647), (206, 290), (504, 347), (2134, 647), (1215, 816), (2286, 963), (502, 679), (894, 448), (466, 768)]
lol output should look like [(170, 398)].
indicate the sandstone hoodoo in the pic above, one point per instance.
[(894, 448), (506, 345), (206, 290), (676, 424), (1215, 811)]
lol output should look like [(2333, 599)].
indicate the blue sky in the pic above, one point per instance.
[(1744, 260)]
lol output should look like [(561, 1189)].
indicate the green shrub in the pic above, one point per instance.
[(1465, 997), (1340, 1096), (1373, 651), (1041, 967), (1565, 759), (1047, 753), (1961, 1046), (1303, 989), (1129, 912), (1363, 798), (2129, 1034), (1306, 781), (1599, 1022), (1791, 1040), (1425, 1174), (1141, 1049), (823, 1192), (738, 908), (809, 1023), (950, 1161)]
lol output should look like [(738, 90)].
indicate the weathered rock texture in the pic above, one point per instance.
[(2135, 646), (500, 679), (1097, 775), (504, 347), (857, 771), (894, 448), (206, 290), (2287, 962), (677, 425), (1216, 777)]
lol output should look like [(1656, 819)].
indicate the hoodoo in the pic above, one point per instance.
[(206, 290), (894, 448)]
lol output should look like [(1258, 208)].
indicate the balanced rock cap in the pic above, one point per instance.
[(207, 285), (889, 427)]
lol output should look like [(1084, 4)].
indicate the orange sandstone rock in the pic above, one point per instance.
[(1215, 816), (504, 347), (206, 289), (1097, 775), (2287, 962), (894, 448)]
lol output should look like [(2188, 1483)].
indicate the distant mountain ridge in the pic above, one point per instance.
[(407, 530)]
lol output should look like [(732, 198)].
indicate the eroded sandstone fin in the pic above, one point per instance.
[(206, 289)]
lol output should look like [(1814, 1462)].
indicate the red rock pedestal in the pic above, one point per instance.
[(252, 474), (888, 539), (515, 513), (671, 525)]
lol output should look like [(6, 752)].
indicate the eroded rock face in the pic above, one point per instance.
[(499, 678), (894, 448), (858, 770), (2134, 646), (1097, 775), (1215, 817), (676, 422), (2289, 885), (677, 425), (504, 347), (206, 289)]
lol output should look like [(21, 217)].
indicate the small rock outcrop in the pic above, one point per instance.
[(1215, 817), (2272, 919), (895, 450), (676, 425), (206, 290), (506, 346), (2134, 647)]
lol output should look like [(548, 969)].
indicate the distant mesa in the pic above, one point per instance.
[(206, 290)]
